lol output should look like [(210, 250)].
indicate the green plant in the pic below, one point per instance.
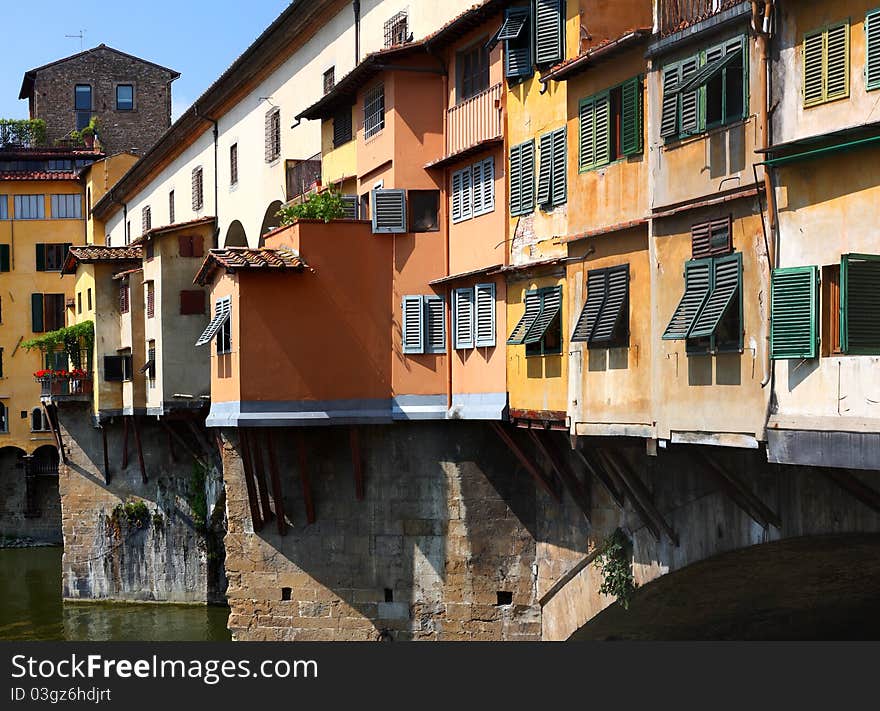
[(73, 340), (327, 205), (615, 563), (23, 132), (133, 512), (91, 129), (158, 519)]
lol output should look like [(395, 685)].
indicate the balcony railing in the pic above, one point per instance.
[(474, 120), (66, 386), (678, 14)]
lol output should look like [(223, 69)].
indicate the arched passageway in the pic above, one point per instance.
[(235, 236), (270, 220)]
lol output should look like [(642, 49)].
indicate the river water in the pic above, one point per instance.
[(31, 608)]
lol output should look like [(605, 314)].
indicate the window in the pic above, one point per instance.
[(794, 303), (474, 317), (374, 111), (709, 315), (549, 32), (473, 190), (89, 299), (472, 72), (713, 238), (831, 310), (66, 207), (146, 219), (149, 366), (39, 421), (47, 312), (342, 129), (233, 164), (82, 104), (220, 326), (30, 207), (424, 209), (329, 80), (552, 179), (859, 285), (5, 261), (826, 64), (198, 194), (50, 257), (351, 207), (149, 249), (540, 328), (389, 211), (192, 302), (171, 207), (191, 245), (150, 298), (516, 33), (872, 50), (125, 97), (124, 297), (79, 302), (610, 125), (273, 134), (705, 90), (4, 419), (424, 324), (4, 207), (604, 320), (118, 368), (396, 30), (522, 178)]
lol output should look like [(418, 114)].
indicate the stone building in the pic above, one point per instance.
[(130, 97)]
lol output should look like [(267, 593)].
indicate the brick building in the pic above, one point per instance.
[(130, 97)]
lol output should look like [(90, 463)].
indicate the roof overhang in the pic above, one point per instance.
[(586, 60), (233, 259), (812, 147), (96, 254), (176, 227)]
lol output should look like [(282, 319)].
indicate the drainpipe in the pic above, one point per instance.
[(216, 239), (356, 6)]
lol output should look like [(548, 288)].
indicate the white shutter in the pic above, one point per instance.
[(411, 315), (485, 315), (456, 196), (435, 324), (463, 328), (487, 188), (389, 211), (476, 189), (467, 189)]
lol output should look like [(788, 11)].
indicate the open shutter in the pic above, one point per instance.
[(545, 176), (697, 281), (597, 280), (716, 60), (837, 71), (872, 50), (533, 308), (41, 257), (560, 166), (464, 318), (548, 31), (860, 304), (222, 311), (631, 117), (517, 42), (485, 318), (488, 188), (793, 313), (669, 120), (37, 322), (412, 309), (551, 305), (725, 289), (4, 258), (389, 211), (813, 62), (614, 310), (602, 139), (350, 207), (435, 324), (690, 115)]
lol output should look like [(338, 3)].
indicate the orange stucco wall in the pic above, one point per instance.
[(483, 370), (226, 368)]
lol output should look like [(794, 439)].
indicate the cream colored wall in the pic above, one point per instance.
[(108, 332)]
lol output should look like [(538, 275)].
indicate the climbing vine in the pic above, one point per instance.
[(73, 340), (133, 513), (615, 563)]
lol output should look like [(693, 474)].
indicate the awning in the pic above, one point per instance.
[(221, 316)]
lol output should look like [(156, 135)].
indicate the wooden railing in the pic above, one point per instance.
[(678, 14), (474, 120)]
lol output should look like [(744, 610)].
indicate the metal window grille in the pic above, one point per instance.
[(233, 164), (329, 80), (151, 300), (198, 197), (273, 134), (374, 111), (171, 207), (146, 219), (397, 30)]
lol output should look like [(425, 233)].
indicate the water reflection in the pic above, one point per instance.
[(32, 609)]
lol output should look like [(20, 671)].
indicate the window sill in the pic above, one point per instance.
[(676, 142)]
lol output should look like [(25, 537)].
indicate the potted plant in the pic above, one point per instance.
[(88, 133)]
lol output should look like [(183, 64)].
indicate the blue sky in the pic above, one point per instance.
[(198, 38)]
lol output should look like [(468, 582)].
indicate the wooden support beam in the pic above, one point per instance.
[(854, 486), (734, 494), (260, 475), (306, 478), (527, 463), (645, 518), (124, 443), (52, 416), (596, 469), (757, 509), (357, 463), (569, 480), (277, 492), (249, 482), (177, 437), (140, 450), (641, 494), (106, 455)]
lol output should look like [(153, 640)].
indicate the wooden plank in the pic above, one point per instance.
[(106, 455), (277, 492), (761, 510), (646, 520), (52, 416), (249, 481), (568, 479), (527, 463), (260, 475), (854, 486), (305, 477), (357, 463)]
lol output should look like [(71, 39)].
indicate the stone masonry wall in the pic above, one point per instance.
[(14, 523), (103, 69)]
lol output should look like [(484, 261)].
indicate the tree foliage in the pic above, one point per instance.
[(327, 205)]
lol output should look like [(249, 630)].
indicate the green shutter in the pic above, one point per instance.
[(548, 31), (41, 257), (860, 304), (631, 117), (515, 172), (545, 176), (603, 130), (794, 300), (597, 280), (690, 114), (37, 313), (611, 316), (551, 305), (4, 258), (586, 134), (527, 178), (726, 286), (413, 332), (697, 284), (669, 119), (872, 50), (559, 190), (532, 304)]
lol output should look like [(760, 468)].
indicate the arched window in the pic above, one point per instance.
[(4, 421), (38, 420)]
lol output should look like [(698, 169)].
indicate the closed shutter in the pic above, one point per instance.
[(485, 318), (456, 195), (631, 117), (697, 282), (669, 120), (435, 324), (198, 246), (4, 258), (690, 115), (463, 329), (532, 310), (487, 189), (837, 73), (522, 179), (41, 257), (342, 129), (412, 309), (586, 323), (813, 61), (614, 310), (545, 176), (587, 134), (467, 194), (37, 322), (476, 172), (602, 140), (548, 31), (184, 246), (872, 50), (551, 305), (517, 40), (794, 312), (860, 304), (515, 172), (560, 166), (725, 289), (350, 207), (389, 211), (712, 238)]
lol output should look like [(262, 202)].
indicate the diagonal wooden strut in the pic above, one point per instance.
[(854, 486), (106, 455), (527, 463), (596, 469), (560, 466), (743, 496), (277, 492), (250, 485), (260, 474), (305, 477)]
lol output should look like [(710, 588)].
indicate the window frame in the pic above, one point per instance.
[(487, 199), (466, 83), (616, 125), (539, 349), (116, 89), (823, 31), (374, 111)]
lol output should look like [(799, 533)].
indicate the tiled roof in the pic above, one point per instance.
[(38, 175), (232, 259), (156, 231), (570, 67), (127, 272), (88, 254)]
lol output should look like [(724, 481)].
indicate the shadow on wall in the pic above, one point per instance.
[(270, 221), (30, 510)]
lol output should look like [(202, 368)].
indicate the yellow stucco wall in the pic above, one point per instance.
[(337, 163), (98, 178)]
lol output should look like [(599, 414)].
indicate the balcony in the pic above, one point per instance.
[(65, 386), (474, 122), (677, 15)]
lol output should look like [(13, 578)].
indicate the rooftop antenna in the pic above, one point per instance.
[(81, 36)]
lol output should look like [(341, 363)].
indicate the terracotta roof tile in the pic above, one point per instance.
[(575, 65), (98, 253), (235, 258)]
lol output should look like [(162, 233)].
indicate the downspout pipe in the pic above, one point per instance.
[(216, 131), (356, 6)]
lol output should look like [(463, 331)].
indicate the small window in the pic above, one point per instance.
[(79, 302), (149, 249), (146, 219), (89, 298), (171, 207), (4, 207), (424, 210), (83, 97), (224, 333), (4, 419), (39, 421), (522, 179), (273, 134), (610, 125), (516, 33), (150, 298), (149, 366), (374, 111), (389, 211), (396, 30), (233, 164), (191, 245), (713, 238), (5, 258), (124, 297), (47, 312), (472, 72), (50, 257), (30, 207), (342, 128), (329, 80), (540, 328), (125, 97), (198, 194), (423, 328), (604, 320), (553, 176)]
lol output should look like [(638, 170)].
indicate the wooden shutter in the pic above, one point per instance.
[(197, 189), (551, 305), (37, 323), (198, 245), (457, 179), (517, 42), (435, 324), (476, 173), (411, 310), (872, 50), (4, 258), (184, 246), (697, 283), (467, 194), (515, 172), (712, 238), (669, 120), (549, 38), (350, 207), (342, 130), (837, 62), (726, 286), (614, 309), (532, 310), (151, 299), (545, 176), (487, 189), (860, 304), (485, 316), (560, 166), (522, 178), (813, 68), (587, 134), (596, 290), (794, 299), (631, 117), (602, 140), (690, 115), (389, 211), (463, 328), (41, 257)]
